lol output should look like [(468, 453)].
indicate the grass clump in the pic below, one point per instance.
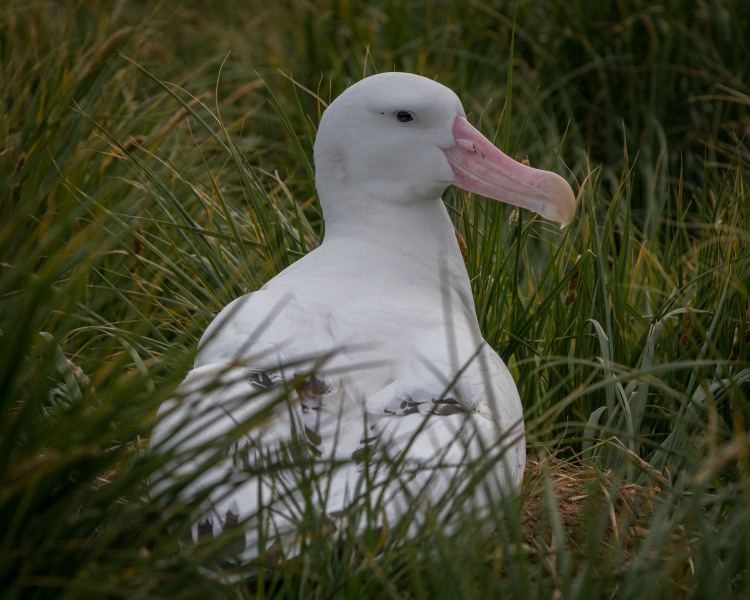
[(148, 178)]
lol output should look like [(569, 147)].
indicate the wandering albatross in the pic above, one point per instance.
[(366, 353)]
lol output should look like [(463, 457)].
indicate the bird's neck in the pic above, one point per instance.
[(413, 241)]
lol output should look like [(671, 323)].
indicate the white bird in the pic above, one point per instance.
[(382, 313)]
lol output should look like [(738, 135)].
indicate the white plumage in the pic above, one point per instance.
[(383, 313)]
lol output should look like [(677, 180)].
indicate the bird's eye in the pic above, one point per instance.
[(405, 116)]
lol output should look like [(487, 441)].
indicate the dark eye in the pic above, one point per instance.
[(405, 116)]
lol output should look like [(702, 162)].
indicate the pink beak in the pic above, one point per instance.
[(483, 169)]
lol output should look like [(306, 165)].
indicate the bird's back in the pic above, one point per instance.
[(336, 383)]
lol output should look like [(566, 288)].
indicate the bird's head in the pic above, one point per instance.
[(398, 137)]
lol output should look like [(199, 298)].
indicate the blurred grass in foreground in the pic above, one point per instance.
[(133, 210)]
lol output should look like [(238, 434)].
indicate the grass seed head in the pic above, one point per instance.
[(572, 294)]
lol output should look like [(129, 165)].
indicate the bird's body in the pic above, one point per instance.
[(372, 339)]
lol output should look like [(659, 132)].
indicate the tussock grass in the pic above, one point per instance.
[(148, 177)]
